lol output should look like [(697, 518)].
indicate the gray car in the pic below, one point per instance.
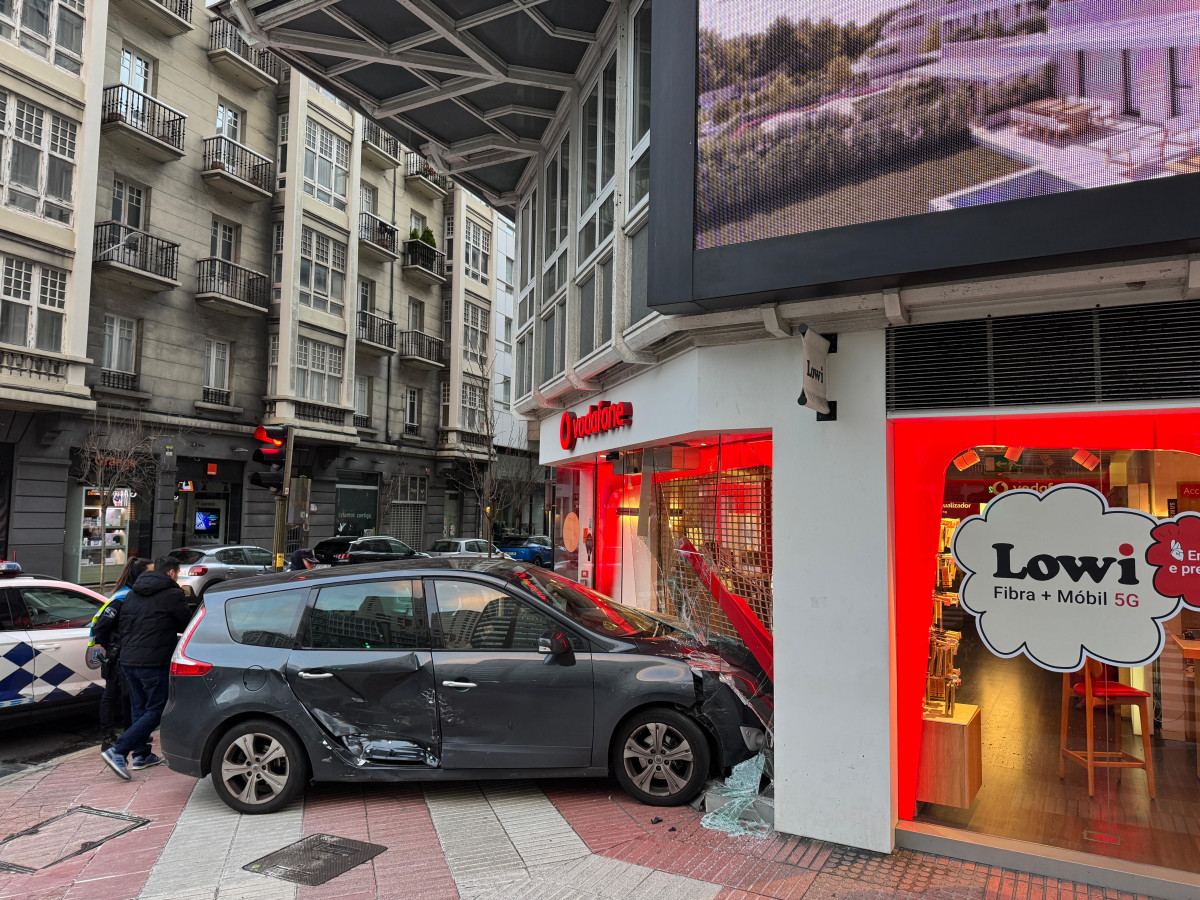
[(202, 567), (443, 669)]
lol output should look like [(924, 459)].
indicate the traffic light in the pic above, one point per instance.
[(273, 453)]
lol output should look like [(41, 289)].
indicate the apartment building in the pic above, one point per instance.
[(195, 242)]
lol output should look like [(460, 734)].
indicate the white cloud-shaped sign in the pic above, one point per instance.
[(1061, 576)]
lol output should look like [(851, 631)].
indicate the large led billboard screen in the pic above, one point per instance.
[(815, 148), (817, 114)]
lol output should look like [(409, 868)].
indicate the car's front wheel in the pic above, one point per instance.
[(660, 757), (258, 767), (537, 561)]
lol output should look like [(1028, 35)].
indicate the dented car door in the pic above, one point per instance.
[(365, 671)]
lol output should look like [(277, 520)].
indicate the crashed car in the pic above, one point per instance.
[(452, 668)]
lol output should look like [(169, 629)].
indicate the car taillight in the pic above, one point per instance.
[(198, 570), (343, 556), (181, 663)]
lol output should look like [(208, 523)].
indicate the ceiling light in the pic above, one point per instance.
[(966, 460), (1087, 459), (1012, 454)]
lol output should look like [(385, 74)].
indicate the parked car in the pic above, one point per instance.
[(44, 625), (202, 567), (446, 669), (537, 549), (464, 547), (375, 549), (328, 550)]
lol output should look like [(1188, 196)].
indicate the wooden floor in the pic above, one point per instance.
[(1022, 796)]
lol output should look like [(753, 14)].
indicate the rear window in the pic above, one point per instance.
[(187, 557), (266, 620), (444, 547)]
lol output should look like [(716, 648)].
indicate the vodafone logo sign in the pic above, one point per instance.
[(598, 419)]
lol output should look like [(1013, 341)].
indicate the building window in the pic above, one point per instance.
[(412, 411), (524, 366), (326, 165), (366, 295), (41, 164), (504, 392), (281, 168), (272, 364), (49, 30), (216, 365), (477, 251), (639, 114), (474, 408), (408, 510), (229, 121), (329, 95), (277, 260), (22, 323), (527, 256), (223, 240), (554, 273), (368, 198), (504, 338), (128, 203), (322, 272), (475, 333), (448, 236), (416, 314), (552, 341), (445, 404), (318, 371), (120, 344), (362, 396), (598, 163), (417, 224)]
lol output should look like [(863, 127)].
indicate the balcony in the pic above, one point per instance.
[(169, 18), (320, 413), (217, 397), (424, 263), (412, 429), (236, 170), (379, 241), (375, 333), (422, 178), (121, 381), (134, 258), (140, 123), (379, 148), (421, 350), (362, 422), (249, 66), (458, 439), (231, 288)]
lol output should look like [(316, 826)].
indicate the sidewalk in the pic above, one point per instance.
[(512, 840)]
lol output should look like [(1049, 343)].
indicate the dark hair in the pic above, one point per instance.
[(134, 567), (166, 565)]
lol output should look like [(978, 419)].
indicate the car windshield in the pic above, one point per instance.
[(186, 556), (444, 547), (592, 610)]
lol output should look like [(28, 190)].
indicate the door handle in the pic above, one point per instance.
[(316, 674), (47, 646), (459, 684)]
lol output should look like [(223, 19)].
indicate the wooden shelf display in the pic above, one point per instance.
[(950, 771)]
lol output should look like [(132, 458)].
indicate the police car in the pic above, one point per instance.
[(44, 627)]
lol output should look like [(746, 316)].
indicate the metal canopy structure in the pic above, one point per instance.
[(473, 83)]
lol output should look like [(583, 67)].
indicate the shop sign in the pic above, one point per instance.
[(816, 354), (599, 418), (1060, 575), (1190, 490)]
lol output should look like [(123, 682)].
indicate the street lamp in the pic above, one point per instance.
[(128, 242)]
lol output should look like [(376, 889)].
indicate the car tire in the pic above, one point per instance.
[(537, 561), (660, 757), (247, 784)]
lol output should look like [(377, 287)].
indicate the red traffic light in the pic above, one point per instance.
[(271, 434)]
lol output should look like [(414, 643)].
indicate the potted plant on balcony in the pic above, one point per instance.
[(427, 237)]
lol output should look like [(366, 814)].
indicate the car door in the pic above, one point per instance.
[(476, 548), (233, 562), (59, 628), (502, 704), (261, 561), (396, 549), (365, 670), (16, 662)]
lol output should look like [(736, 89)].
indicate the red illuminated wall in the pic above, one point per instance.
[(922, 449)]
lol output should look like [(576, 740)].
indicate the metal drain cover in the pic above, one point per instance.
[(76, 831), (315, 859)]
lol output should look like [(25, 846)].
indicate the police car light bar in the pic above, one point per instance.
[(9, 569)]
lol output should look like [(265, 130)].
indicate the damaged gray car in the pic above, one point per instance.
[(439, 669)]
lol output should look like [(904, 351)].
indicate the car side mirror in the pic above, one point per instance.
[(553, 643)]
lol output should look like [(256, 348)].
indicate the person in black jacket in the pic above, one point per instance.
[(106, 633), (152, 617)]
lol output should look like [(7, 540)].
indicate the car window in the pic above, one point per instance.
[(231, 556), (7, 620), (395, 546), (475, 547), (540, 541), (259, 556), (55, 607), (473, 616), (443, 547), (187, 557), (376, 615), (266, 620)]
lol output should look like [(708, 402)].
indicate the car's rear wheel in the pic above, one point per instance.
[(537, 561), (660, 757), (258, 767)]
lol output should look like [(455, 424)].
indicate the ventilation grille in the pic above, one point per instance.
[(1089, 356)]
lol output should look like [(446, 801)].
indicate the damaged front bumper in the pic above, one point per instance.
[(735, 710)]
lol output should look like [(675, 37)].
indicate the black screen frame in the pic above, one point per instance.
[(1138, 220)]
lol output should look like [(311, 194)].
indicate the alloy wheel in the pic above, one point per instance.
[(255, 768), (658, 759)]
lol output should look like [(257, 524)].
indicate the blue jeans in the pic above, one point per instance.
[(147, 686)]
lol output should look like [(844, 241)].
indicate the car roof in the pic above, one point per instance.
[(498, 567), (43, 581), (206, 549)]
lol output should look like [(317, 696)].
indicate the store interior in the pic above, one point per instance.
[(991, 760)]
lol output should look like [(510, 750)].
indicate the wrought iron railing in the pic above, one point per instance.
[(142, 112), (181, 8), (316, 412), (412, 428), (422, 346), (361, 421), (119, 243), (124, 381), (420, 254), (416, 164), (377, 137), (222, 154), (378, 232), (218, 276), (376, 329), (217, 396), (225, 36)]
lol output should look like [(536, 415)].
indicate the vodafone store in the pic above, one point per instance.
[(1047, 631)]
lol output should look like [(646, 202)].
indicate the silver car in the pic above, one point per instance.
[(468, 547), (202, 567)]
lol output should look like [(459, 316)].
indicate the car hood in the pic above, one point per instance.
[(717, 656)]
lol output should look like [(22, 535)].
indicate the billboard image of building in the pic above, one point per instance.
[(816, 115)]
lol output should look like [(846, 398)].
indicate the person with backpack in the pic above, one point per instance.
[(106, 638)]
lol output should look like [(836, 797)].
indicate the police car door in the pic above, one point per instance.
[(58, 626), (16, 662)]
